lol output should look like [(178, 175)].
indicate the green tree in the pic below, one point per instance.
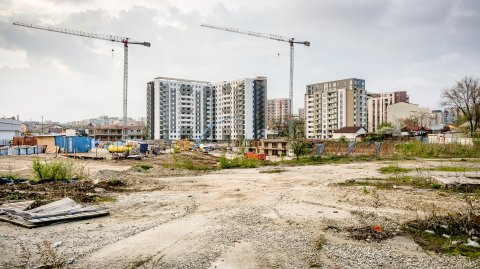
[(465, 96), (299, 148)]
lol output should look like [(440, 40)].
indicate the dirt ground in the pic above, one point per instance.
[(237, 218)]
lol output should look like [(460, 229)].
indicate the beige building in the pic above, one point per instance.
[(401, 111), (377, 107), (301, 113), (278, 111), (332, 105)]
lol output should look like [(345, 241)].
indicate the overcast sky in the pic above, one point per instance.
[(418, 46)]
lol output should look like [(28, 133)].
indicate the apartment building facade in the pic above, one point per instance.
[(244, 101), (301, 114), (178, 108), (183, 109), (377, 104), (335, 104), (278, 111)]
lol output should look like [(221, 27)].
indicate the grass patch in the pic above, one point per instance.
[(272, 171), (422, 150), (393, 169), (56, 170), (451, 169), (8, 176), (144, 167), (183, 162), (394, 181), (239, 162), (458, 228)]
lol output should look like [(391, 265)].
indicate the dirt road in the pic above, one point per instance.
[(244, 218)]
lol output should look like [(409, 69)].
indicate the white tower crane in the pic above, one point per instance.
[(124, 40), (291, 41)]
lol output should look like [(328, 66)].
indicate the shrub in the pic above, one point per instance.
[(56, 170)]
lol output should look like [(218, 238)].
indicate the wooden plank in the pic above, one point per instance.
[(24, 205)]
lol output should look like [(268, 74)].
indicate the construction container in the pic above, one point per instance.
[(3, 151), (14, 151), (74, 144), (24, 141)]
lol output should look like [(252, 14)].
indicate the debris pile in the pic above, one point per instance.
[(58, 211)]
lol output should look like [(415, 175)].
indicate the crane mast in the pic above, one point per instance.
[(125, 40), (291, 42)]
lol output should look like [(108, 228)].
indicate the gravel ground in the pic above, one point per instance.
[(240, 219)]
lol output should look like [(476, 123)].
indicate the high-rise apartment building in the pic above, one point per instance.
[(245, 102), (183, 109), (178, 108), (278, 112), (334, 104), (301, 113), (377, 107)]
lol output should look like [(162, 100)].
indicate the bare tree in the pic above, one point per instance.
[(465, 96)]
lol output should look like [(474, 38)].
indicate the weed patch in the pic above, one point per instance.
[(447, 234), (272, 171), (184, 162), (144, 167), (393, 182), (422, 150), (393, 169), (451, 169), (239, 162), (56, 170)]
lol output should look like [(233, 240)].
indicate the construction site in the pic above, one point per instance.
[(216, 175), (188, 210)]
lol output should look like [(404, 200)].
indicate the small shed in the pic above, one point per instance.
[(350, 133), (48, 141)]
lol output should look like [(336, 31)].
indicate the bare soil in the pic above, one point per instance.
[(238, 218)]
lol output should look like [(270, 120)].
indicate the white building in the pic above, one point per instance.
[(245, 102), (177, 108), (8, 129), (334, 104), (183, 109)]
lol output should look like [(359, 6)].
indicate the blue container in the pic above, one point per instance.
[(143, 148), (74, 144), (23, 150), (30, 150), (3, 151), (14, 151)]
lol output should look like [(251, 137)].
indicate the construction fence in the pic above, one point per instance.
[(332, 148)]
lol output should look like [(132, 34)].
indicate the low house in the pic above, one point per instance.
[(349, 133), (8, 129)]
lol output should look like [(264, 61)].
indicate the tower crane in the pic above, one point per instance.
[(291, 41), (125, 40)]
